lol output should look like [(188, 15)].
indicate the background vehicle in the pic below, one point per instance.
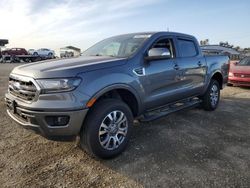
[(44, 52), (141, 75), (15, 51), (31, 51), (239, 73)]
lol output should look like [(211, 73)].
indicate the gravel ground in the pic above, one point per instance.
[(191, 148)]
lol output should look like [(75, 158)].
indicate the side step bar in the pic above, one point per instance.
[(168, 109)]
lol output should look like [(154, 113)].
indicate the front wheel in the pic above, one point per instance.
[(107, 128), (211, 98)]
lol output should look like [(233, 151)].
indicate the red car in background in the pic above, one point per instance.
[(15, 51), (239, 73)]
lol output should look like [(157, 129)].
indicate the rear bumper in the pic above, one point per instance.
[(36, 120)]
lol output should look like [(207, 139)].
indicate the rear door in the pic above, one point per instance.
[(191, 69)]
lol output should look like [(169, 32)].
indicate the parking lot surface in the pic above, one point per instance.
[(191, 148)]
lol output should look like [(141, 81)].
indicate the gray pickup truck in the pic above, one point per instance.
[(141, 76)]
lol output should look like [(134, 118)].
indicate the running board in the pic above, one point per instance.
[(168, 109)]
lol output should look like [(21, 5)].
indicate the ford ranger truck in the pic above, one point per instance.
[(141, 76)]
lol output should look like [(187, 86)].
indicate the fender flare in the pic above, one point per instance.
[(106, 89), (210, 77)]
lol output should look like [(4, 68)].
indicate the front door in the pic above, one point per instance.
[(159, 82)]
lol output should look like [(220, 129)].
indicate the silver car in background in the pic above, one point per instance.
[(44, 52)]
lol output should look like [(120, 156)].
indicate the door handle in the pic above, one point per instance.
[(176, 67), (199, 63)]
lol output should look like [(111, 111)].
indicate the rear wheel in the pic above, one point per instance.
[(211, 98), (107, 128)]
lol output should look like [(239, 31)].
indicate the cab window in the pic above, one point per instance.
[(187, 48)]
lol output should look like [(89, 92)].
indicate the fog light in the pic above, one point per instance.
[(57, 120)]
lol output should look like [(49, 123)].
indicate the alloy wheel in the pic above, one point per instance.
[(113, 130), (214, 95)]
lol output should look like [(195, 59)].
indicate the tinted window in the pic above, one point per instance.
[(187, 48)]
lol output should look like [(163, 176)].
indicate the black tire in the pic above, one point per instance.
[(90, 140), (35, 54), (208, 102)]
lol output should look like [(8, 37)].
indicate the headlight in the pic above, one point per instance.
[(230, 74), (58, 85)]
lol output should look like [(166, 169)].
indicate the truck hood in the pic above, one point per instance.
[(67, 67)]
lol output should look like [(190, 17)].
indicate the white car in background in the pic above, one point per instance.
[(44, 52)]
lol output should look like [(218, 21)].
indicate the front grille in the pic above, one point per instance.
[(23, 89), (239, 82), (242, 75)]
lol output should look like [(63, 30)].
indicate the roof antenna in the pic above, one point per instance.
[(168, 29)]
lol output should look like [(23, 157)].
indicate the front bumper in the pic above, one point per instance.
[(36, 120), (238, 81)]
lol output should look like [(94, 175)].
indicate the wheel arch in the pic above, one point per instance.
[(218, 77), (120, 91)]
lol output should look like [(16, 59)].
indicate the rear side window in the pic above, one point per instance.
[(187, 48)]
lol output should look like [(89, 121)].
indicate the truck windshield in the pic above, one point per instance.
[(245, 62), (118, 46)]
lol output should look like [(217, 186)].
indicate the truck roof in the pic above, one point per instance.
[(161, 33)]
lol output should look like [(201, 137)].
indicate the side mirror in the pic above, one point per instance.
[(158, 54)]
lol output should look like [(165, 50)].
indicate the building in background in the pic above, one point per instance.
[(69, 51), (3, 42)]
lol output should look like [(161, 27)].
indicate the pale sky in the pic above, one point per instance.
[(57, 23)]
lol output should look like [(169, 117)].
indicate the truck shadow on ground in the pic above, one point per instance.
[(191, 147)]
